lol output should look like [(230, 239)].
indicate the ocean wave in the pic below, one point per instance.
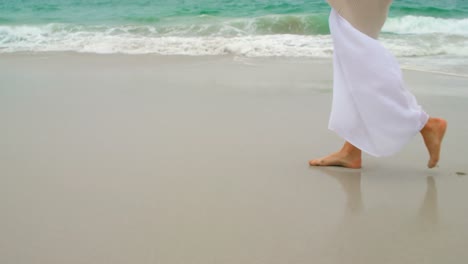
[(148, 39), (447, 11), (133, 41), (426, 25), (209, 25), (213, 26)]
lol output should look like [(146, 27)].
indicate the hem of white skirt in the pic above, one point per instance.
[(354, 143), (424, 117)]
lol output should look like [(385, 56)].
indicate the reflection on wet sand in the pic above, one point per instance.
[(350, 181), (429, 208), (369, 234)]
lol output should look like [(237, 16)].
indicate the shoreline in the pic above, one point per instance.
[(235, 57), (435, 72)]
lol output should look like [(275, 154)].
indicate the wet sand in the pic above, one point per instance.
[(149, 159)]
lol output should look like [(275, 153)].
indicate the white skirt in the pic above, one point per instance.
[(372, 109)]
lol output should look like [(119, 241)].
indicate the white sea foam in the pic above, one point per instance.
[(426, 45), (408, 36), (145, 39), (426, 25)]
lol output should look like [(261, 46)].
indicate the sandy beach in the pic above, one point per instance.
[(198, 160)]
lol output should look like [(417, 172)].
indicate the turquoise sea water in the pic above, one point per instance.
[(416, 30)]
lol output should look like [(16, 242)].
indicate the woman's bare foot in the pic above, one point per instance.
[(433, 134), (349, 157)]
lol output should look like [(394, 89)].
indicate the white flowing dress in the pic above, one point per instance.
[(371, 109)]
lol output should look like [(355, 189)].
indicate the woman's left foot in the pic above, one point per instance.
[(349, 157), (433, 134)]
